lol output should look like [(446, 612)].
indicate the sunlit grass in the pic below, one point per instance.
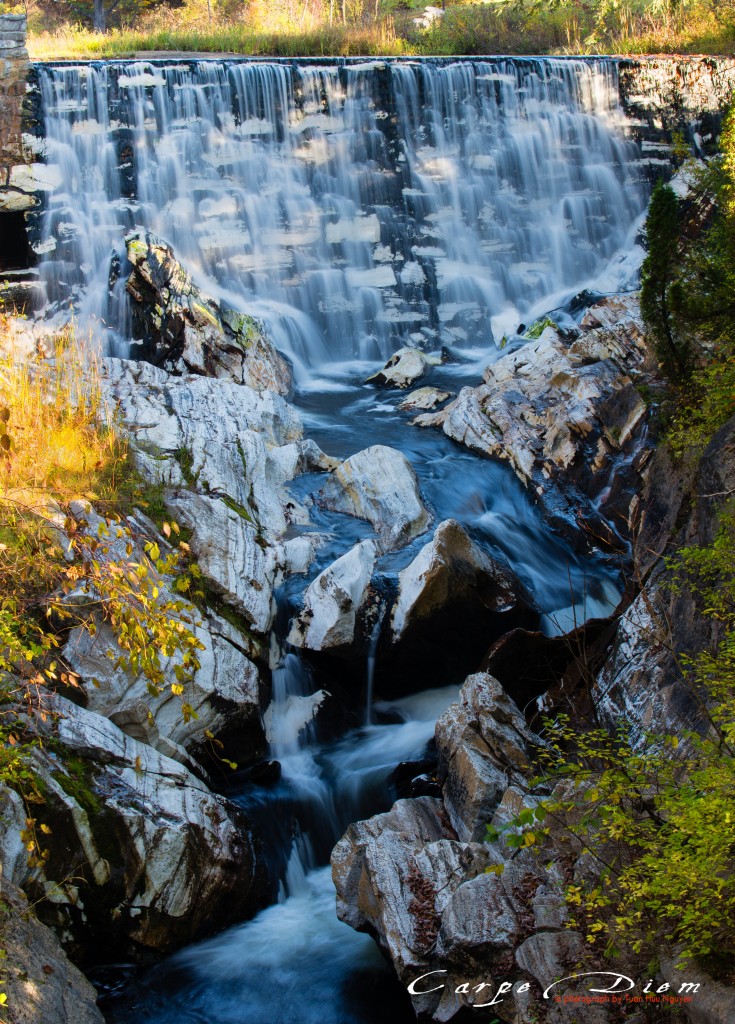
[(336, 40), (466, 29)]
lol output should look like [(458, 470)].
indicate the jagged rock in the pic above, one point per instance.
[(482, 742), (415, 877), (451, 570), (403, 368), (186, 331), (378, 484), (216, 438), (224, 453), (561, 414), (424, 399), (395, 873), (41, 984), (137, 834), (332, 600)]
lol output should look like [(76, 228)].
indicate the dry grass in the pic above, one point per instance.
[(57, 444), (326, 40)]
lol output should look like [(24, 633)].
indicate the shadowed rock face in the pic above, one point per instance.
[(137, 833), (39, 981), (452, 599), (184, 330)]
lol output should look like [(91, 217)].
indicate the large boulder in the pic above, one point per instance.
[(451, 589), (567, 418), (184, 330), (403, 368), (451, 570), (465, 925), (378, 484), (140, 850), (395, 873), (333, 600), (42, 986)]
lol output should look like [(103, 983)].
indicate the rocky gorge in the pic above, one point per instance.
[(414, 458)]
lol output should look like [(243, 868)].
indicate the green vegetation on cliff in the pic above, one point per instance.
[(68, 555)]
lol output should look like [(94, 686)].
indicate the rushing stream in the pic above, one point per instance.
[(355, 207)]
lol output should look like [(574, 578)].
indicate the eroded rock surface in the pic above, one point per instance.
[(136, 831), (378, 484), (566, 417)]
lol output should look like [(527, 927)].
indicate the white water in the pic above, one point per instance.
[(353, 209)]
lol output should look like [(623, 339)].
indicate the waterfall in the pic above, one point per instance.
[(354, 207)]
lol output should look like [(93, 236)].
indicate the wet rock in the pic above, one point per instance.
[(378, 484), (424, 399), (450, 570), (40, 982), (403, 368), (186, 331), (566, 417), (136, 833), (482, 744), (641, 680), (333, 599)]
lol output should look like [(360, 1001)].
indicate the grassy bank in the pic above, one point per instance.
[(512, 28)]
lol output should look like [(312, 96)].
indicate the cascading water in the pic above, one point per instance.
[(355, 208)]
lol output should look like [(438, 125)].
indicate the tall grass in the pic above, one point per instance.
[(272, 30), (326, 40), (58, 444)]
